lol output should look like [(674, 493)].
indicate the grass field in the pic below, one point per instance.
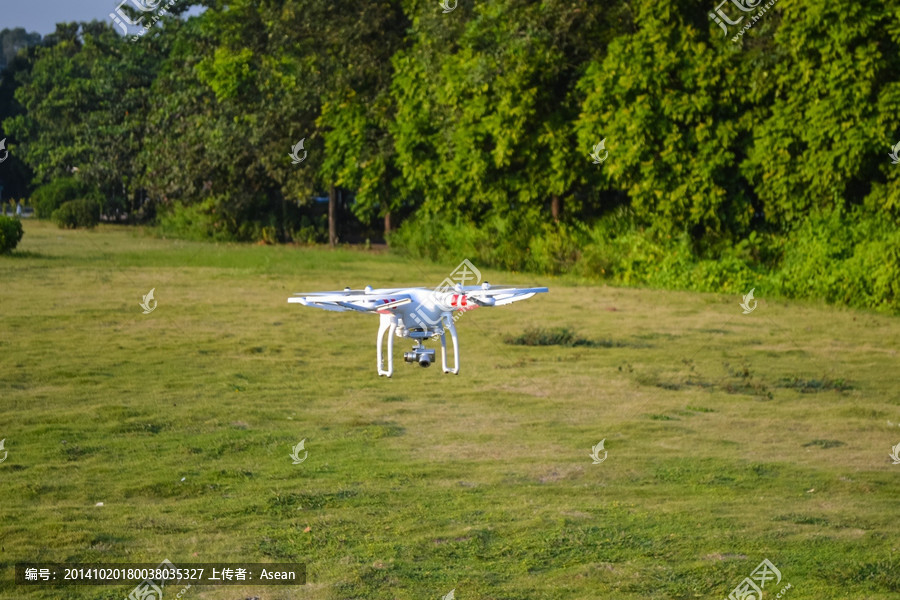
[(731, 438)]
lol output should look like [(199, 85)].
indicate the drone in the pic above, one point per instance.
[(416, 313)]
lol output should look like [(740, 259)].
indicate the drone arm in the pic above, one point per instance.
[(344, 301), (482, 301), (352, 306), (500, 296)]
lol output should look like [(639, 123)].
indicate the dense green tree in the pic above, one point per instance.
[(245, 82), (18, 50), (486, 103), (824, 108), (668, 100), (207, 140), (85, 99), (357, 108), (14, 40)]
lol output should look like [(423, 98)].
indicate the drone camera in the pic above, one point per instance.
[(423, 356)]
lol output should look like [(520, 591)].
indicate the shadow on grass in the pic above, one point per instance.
[(23, 254), (742, 380), (824, 444), (563, 336), (807, 386)]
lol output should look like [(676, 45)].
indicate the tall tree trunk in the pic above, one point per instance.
[(555, 207), (332, 225), (387, 224), (283, 233)]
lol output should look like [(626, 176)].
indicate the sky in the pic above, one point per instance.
[(43, 15)]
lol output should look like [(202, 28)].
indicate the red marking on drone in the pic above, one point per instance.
[(459, 300)]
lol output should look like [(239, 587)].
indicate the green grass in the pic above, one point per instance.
[(731, 438)]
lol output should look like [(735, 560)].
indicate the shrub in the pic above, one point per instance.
[(217, 219), (77, 213), (556, 250), (311, 232), (190, 221), (10, 234), (501, 241), (846, 257), (50, 196)]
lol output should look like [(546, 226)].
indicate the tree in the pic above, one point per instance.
[(826, 95), (668, 100), (18, 50), (12, 41), (85, 100), (486, 103)]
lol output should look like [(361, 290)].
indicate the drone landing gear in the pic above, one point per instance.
[(452, 329), (388, 324), (419, 353)]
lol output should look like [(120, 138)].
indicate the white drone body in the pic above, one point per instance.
[(417, 313)]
